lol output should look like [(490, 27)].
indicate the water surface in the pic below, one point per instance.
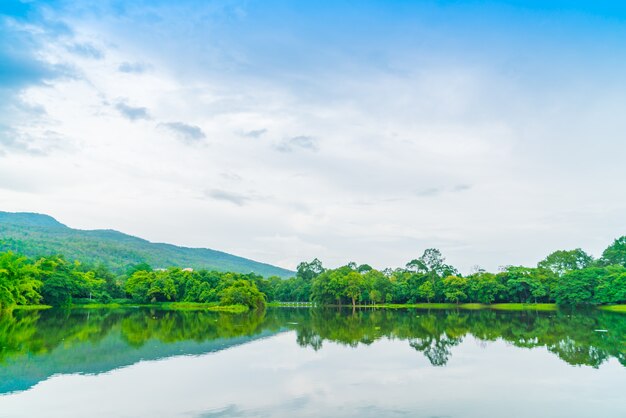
[(314, 363)]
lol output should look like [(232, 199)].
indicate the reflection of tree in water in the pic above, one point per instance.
[(574, 353), (572, 336), (436, 350), (306, 337)]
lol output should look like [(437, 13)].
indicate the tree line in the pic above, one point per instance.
[(565, 277), (55, 281)]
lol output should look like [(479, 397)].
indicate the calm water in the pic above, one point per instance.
[(303, 362)]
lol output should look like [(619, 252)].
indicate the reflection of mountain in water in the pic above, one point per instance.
[(108, 354), (37, 345), (49, 343)]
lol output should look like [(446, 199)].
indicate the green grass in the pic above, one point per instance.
[(174, 306), (524, 306), (413, 306), (471, 306), (614, 308), (229, 308), (29, 307), (101, 306), (288, 304)]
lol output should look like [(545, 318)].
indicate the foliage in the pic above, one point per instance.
[(615, 253), (560, 262), (244, 293)]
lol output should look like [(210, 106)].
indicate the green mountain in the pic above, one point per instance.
[(34, 235)]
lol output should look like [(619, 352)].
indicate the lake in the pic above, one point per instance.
[(288, 362)]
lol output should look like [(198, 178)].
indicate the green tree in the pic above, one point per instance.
[(354, 284), (138, 285), (483, 287), (578, 286), (426, 291), (560, 262), (19, 281), (431, 261), (615, 253), (309, 271), (455, 288), (242, 292)]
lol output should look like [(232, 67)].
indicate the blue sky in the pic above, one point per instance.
[(345, 130)]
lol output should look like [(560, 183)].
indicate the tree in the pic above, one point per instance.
[(60, 284), (431, 261), (560, 262), (243, 292), (138, 285), (483, 287), (426, 291), (375, 296), (611, 287), (455, 288), (615, 253), (354, 286), (578, 286), (309, 271), (524, 284), (379, 284), (19, 281)]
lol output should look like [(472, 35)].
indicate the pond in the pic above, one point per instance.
[(288, 362)]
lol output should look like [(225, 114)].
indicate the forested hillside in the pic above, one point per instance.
[(37, 235)]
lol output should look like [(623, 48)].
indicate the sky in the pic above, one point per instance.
[(281, 131)]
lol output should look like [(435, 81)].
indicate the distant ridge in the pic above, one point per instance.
[(29, 219), (35, 234)]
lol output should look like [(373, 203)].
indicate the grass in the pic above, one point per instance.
[(29, 307), (100, 306), (524, 306), (229, 308), (613, 308), (173, 306), (289, 304), (471, 306)]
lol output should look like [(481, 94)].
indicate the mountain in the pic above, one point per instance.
[(34, 235)]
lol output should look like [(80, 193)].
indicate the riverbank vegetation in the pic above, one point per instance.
[(562, 278)]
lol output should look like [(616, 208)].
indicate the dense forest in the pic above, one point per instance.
[(564, 277)]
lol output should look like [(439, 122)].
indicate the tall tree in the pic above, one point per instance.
[(615, 253), (560, 262), (309, 271)]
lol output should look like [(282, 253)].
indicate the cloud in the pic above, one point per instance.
[(429, 192), (86, 50), (235, 198), (257, 133), (461, 187), (230, 176), (187, 133), (132, 67), (437, 191), (131, 112), (14, 141), (20, 62), (298, 142)]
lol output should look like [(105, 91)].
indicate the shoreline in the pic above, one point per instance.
[(192, 306)]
